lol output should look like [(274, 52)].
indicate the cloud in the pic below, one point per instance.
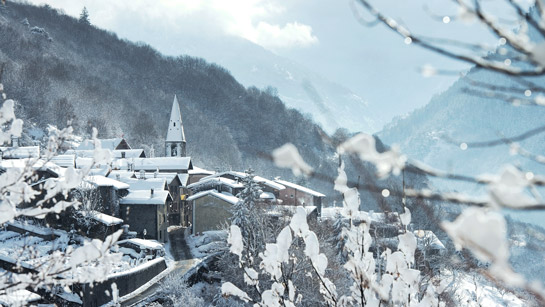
[(291, 35), (255, 20)]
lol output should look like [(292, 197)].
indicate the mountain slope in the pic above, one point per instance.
[(330, 104), (433, 134)]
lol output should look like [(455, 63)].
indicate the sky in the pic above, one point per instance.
[(323, 35)]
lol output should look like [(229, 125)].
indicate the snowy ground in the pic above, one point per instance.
[(209, 242)]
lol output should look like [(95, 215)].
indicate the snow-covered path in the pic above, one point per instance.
[(183, 263)]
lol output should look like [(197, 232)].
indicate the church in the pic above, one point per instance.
[(175, 141)]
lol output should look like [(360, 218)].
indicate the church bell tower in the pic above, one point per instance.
[(175, 141)]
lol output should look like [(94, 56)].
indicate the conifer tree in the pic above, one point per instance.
[(84, 17)]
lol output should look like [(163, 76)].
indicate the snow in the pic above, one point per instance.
[(223, 196), (235, 240), (143, 244), (229, 289), (162, 163), (20, 297), (287, 156), (144, 197), (280, 209), (157, 184), (102, 181), (200, 171), (299, 188), (207, 243), (35, 164), (241, 175), (216, 181), (105, 219), (267, 195)]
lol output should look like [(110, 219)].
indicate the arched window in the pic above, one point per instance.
[(174, 124)]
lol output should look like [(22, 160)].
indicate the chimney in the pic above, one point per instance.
[(117, 176), (151, 192), (142, 174)]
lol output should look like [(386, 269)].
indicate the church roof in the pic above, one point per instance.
[(175, 131)]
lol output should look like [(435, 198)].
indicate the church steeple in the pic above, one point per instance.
[(175, 141)]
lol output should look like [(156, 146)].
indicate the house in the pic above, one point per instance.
[(197, 174), (296, 195), (219, 184), (146, 213), (105, 193), (210, 210), (266, 185)]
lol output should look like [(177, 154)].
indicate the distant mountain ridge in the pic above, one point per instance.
[(330, 104)]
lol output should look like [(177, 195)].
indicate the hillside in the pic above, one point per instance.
[(299, 87), (433, 134)]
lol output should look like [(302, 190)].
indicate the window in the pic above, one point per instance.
[(174, 124)]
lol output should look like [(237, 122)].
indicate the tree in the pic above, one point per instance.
[(84, 17)]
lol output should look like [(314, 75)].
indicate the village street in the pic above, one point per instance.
[(183, 262)]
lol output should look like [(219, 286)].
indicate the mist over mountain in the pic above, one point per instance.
[(433, 134), (299, 87)]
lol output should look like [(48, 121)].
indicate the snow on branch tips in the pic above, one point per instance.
[(287, 156), (364, 145)]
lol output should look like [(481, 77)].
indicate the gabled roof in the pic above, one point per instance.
[(299, 188), (216, 181), (162, 164), (175, 131), (145, 184), (171, 176), (144, 197), (101, 181), (241, 175), (34, 164), (105, 219), (223, 196), (200, 171), (111, 144)]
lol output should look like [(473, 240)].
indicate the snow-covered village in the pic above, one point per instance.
[(272, 153)]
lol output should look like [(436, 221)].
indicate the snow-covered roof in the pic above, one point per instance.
[(200, 171), (145, 184), (20, 152), (170, 176), (223, 196), (161, 163), (64, 160), (105, 219), (118, 174), (101, 181), (35, 164), (144, 197), (116, 154), (175, 131), (143, 244), (267, 195), (216, 181), (110, 144), (299, 188), (241, 175)]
